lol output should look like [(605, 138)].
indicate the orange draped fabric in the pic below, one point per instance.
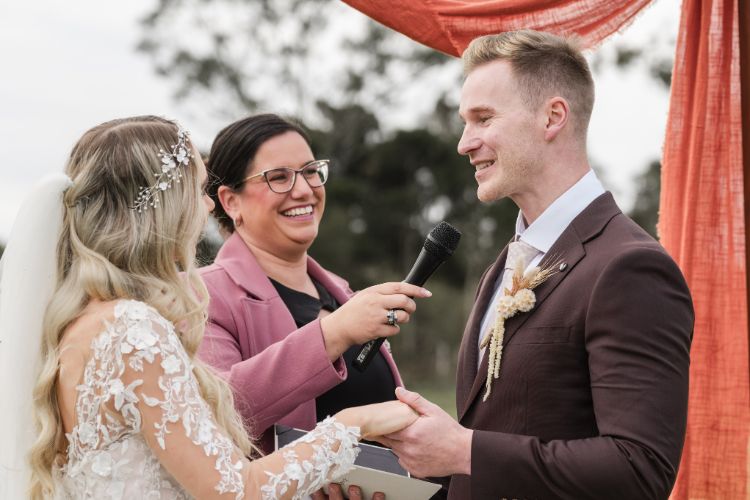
[(702, 216), (702, 224), (449, 25)]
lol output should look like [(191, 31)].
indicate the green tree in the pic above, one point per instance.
[(654, 57), (646, 208), (288, 56)]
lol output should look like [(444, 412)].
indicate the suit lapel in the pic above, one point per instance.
[(568, 249), (468, 353)]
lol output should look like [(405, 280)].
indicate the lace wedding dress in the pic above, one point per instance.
[(144, 431)]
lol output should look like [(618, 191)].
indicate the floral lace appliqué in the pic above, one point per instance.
[(139, 382), (325, 465), (108, 454)]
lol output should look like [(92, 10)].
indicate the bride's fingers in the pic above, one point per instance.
[(335, 492), (354, 492), (318, 495)]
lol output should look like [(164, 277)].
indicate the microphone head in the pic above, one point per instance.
[(442, 240)]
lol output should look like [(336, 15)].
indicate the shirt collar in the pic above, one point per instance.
[(545, 230)]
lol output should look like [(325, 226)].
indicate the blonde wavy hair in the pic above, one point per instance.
[(109, 251)]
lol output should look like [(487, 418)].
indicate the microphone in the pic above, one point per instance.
[(439, 245)]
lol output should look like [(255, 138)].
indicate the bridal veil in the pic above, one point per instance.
[(28, 276)]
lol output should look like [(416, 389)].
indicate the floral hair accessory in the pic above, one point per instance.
[(519, 298), (171, 173)]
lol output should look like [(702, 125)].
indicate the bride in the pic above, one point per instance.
[(99, 272)]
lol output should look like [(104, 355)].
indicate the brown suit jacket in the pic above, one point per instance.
[(592, 396)]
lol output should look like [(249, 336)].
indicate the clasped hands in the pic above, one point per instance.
[(434, 445), (430, 443)]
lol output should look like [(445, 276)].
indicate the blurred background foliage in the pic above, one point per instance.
[(384, 110)]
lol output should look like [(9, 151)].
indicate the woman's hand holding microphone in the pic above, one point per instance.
[(372, 313)]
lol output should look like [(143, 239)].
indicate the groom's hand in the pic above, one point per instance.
[(434, 445)]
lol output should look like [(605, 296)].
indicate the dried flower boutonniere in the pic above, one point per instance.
[(519, 298)]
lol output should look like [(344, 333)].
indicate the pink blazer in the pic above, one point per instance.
[(275, 369)]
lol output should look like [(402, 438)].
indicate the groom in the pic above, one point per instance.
[(591, 397)]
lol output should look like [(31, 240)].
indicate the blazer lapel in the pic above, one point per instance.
[(263, 305), (568, 249), (316, 271), (469, 353), (242, 266)]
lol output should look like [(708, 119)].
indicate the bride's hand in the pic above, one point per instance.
[(378, 419)]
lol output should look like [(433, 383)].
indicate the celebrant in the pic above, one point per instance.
[(282, 329)]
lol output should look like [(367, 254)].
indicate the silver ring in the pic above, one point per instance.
[(391, 317)]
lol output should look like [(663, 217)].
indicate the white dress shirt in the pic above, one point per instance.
[(544, 232)]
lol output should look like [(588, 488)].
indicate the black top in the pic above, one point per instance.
[(375, 385)]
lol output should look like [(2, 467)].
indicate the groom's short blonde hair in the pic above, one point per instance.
[(544, 66)]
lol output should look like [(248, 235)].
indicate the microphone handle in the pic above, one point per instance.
[(367, 353), (422, 269)]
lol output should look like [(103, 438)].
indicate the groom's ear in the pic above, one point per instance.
[(557, 112)]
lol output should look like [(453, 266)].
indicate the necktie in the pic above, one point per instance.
[(520, 255)]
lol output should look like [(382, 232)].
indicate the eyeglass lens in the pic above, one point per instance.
[(282, 179)]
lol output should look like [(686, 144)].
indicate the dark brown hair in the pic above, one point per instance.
[(233, 151)]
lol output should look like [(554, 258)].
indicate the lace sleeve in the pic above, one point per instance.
[(322, 456), (158, 394), (158, 389)]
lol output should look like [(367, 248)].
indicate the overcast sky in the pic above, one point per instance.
[(70, 65)]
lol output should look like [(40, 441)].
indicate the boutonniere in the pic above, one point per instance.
[(519, 298)]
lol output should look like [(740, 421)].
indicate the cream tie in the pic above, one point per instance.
[(516, 250), (520, 255)]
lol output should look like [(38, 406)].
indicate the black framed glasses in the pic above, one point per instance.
[(281, 180)]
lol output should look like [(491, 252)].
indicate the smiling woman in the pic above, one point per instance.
[(278, 215), (282, 329)]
